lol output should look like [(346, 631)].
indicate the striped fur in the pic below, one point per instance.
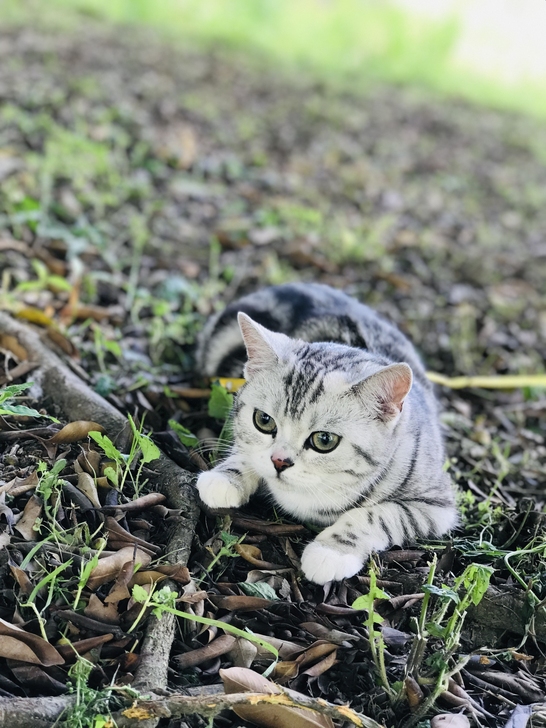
[(346, 372)]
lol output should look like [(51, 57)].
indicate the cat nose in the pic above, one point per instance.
[(281, 464)]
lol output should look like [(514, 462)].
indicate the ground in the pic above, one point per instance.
[(143, 186)]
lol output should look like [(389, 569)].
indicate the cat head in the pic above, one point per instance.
[(313, 415)]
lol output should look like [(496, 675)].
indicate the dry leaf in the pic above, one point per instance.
[(62, 342), (10, 343), (33, 510), (16, 644), (110, 566), (244, 652), (253, 555), (218, 647), (17, 486), (87, 486), (316, 652), (118, 534), (75, 431), (71, 649), (106, 613), (239, 679), (240, 603), (321, 667)]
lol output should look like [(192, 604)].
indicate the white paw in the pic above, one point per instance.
[(321, 563), (216, 491)]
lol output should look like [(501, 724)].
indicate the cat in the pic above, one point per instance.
[(336, 420)]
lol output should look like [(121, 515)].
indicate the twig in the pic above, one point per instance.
[(175, 706)]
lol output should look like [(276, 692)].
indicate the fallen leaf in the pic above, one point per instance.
[(450, 720), (87, 486), (16, 644), (218, 647), (240, 603), (319, 668), (32, 511), (71, 649), (240, 679), (244, 652), (75, 431), (110, 566), (9, 342)]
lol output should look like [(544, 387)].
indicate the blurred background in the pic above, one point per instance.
[(491, 51)]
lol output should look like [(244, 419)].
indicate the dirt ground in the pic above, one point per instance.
[(143, 186)]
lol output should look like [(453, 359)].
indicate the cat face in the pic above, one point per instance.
[(316, 421)]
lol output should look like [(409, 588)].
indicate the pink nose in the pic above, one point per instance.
[(281, 464)]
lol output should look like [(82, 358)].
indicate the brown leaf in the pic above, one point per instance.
[(218, 647), (97, 610), (87, 486), (9, 342), (240, 603), (271, 529), (325, 633), (32, 511), (139, 504), (69, 651), (16, 644), (37, 679), (243, 653), (89, 461), (110, 566), (316, 652), (253, 555), (17, 486), (120, 589), (319, 668), (240, 679), (117, 533), (20, 576), (75, 431), (63, 342)]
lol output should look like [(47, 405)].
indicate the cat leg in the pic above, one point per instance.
[(228, 485), (341, 549)]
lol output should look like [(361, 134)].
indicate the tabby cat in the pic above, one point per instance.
[(336, 421)]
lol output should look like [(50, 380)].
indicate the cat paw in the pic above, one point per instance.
[(216, 491), (322, 564)]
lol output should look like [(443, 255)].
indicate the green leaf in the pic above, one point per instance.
[(220, 402), (112, 475), (476, 579), (13, 390), (435, 630), (444, 592), (149, 449), (104, 442), (260, 589), (228, 538), (139, 594), (186, 437)]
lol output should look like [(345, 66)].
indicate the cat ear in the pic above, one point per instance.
[(263, 347), (389, 387)]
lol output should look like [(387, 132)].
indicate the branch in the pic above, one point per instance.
[(174, 706)]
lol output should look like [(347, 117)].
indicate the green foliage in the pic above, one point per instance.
[(259, 589), (164, 600), (357, 41), (220, 402), (186, 437), (7, 394), (92, 707), (142, 449)]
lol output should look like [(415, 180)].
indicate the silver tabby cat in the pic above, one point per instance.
[(337, 421)]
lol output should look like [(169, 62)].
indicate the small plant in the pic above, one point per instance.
[(92, 707), (9, 393), (444, 624), (124, 463), (377, 645), (227, 550), (163, 601)]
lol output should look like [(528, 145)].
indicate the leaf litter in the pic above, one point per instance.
[(190, 177)]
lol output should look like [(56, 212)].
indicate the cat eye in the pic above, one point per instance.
[(323, 441), (264, 422)]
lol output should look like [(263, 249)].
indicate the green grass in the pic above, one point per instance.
[(355, 40)]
